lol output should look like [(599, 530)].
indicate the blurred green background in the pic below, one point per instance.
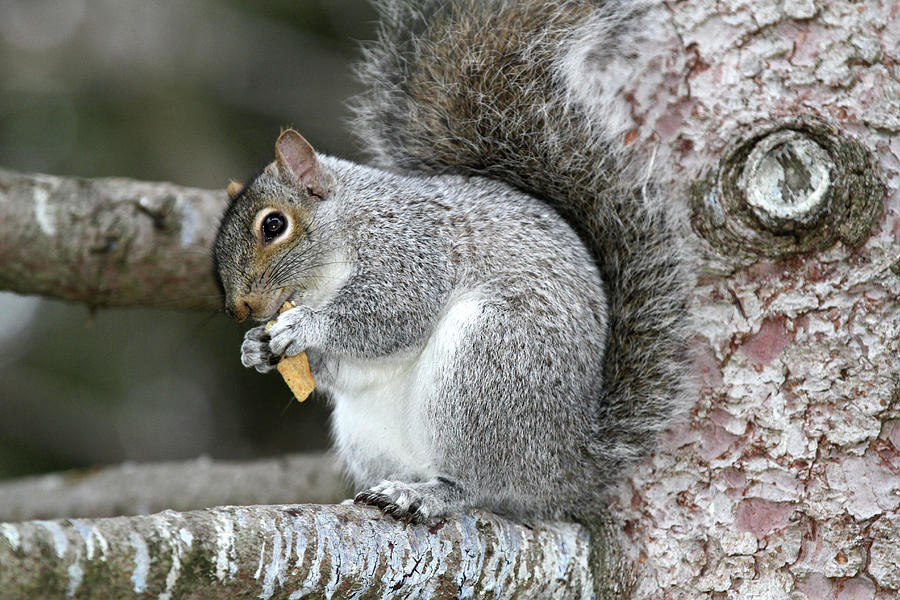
[(189, 91)]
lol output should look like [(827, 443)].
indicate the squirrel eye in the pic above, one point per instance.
[(273, 225)]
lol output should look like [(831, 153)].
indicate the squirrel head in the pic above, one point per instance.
[(266, 247)]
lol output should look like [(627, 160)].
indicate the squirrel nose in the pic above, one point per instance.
[(239, 310)]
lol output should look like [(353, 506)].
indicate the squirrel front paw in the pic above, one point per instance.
[(255, 351), (292, 332)]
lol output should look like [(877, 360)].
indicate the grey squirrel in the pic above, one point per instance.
[(496, 309)]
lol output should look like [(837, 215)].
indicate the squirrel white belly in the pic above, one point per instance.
[(378, 403)]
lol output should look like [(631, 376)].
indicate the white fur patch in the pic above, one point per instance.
[(378, 403), (334, 273), (461, 313), (372, 405), (587, 81)]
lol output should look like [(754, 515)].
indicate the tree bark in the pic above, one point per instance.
[(292, 551), (784, 482), (133, 489), (109, 242)]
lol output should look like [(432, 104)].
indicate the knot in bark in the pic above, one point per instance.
[(786, 181), (801, 186)]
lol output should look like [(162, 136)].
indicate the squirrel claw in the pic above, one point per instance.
[(365, 497)]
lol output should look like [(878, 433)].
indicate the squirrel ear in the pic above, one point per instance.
[(297, 158), (234, 189)]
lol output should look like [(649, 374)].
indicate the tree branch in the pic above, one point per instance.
[(145, 488), (109, 242), (293, 551)]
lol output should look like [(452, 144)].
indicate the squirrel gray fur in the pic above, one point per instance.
[(496, 309)]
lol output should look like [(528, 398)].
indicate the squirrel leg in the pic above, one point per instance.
[(415, 502)]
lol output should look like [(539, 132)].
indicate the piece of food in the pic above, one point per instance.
[(295, 369)]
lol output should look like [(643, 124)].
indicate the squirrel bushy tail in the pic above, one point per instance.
[(514, 91)]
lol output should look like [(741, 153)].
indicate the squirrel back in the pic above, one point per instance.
[(513, 91)]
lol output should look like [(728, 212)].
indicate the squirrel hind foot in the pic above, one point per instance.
[(414, 502)]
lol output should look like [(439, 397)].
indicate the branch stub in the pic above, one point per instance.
[(799, 187), (786, 180)]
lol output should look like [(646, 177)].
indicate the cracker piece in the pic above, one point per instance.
[(295, 369)]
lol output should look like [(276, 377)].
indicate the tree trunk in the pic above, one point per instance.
[(777, 124)]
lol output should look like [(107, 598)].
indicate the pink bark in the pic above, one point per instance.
[(784, 482)]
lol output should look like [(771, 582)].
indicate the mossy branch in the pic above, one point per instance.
[(292, 551)]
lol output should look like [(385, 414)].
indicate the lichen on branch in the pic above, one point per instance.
[(293, 551)]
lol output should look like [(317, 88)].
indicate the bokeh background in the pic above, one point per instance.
[(189, 91)]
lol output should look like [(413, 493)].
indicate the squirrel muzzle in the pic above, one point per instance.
[(250, 306)]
